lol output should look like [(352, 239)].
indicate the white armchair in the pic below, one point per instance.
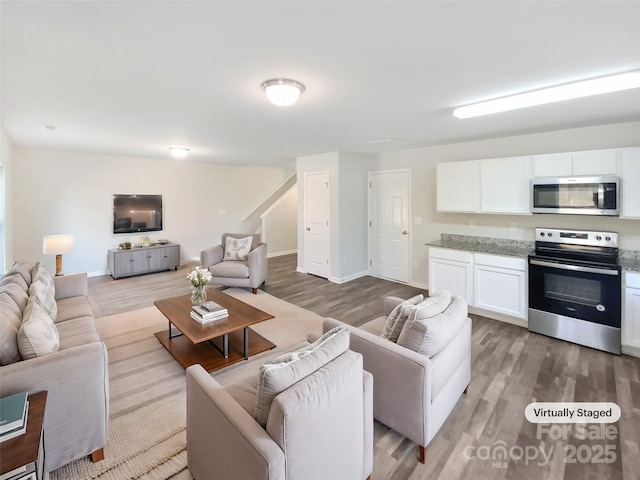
[(413, 393), (318, 428), (249, 273)]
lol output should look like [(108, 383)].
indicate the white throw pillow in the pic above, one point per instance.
[(38, 335), (237, 248), (430, 335), (436, 303), (285, 370), (40, 273), (40, 294), (397, 318)]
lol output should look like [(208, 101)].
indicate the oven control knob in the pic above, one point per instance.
[(549, 234), (600, 307), (542, 234), (598, 237), (608, 239)]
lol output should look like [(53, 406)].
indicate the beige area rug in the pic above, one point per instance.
[(146, 436)]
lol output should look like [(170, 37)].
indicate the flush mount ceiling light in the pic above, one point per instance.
[(586, 88), (283, 91), (179, 152)]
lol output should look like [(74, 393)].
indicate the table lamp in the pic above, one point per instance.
[(57, 245)]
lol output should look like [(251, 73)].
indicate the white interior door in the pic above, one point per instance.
[(389, 227), (316, 201)]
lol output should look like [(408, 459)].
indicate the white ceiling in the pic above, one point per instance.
[(133, 77)]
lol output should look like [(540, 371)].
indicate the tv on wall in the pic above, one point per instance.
[(137, 213)]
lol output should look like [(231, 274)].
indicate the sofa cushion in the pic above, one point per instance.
[(73, 307), (14, 278), (428, 336), (77, 331), (237, 248), (38, 335), (41, 294), (23, 268), (244, 391), (40, 273), (16, 292), (285, 370), (230, 269), (10, 321), (398, 317)]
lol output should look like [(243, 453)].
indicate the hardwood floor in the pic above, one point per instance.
[(511, 368)]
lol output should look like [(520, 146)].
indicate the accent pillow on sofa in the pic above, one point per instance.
[(430, 335), (38, 335), (39, 273), (23, 268), (290, 368), (40, 294), (398, 317), (237, 248)]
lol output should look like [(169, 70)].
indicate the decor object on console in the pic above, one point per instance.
[(57, 245), (74, 373), (199, 277), (414, 393), (228, 270), (314, 411)]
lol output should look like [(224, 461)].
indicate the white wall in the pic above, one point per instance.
[(423, 162), (347, 212), (57, 192), (280, 224), (6, 156)]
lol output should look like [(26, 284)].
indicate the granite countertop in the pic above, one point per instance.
[(492, 246), (629, 260)]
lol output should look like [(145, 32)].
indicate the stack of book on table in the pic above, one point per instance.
[(209, 312), (13, 415)]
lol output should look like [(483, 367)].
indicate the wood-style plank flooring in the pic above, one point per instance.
[(511, 367)]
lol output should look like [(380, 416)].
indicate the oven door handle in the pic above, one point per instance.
[(575, 268)]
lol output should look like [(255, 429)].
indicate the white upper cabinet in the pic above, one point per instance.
[(458, 186), (553, 165), (594, 162), (630, 183), (504, 185), (591, 162)]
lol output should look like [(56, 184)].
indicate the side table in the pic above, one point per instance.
[(22, 457)]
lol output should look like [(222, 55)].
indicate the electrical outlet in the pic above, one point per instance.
[(417, 220), (222, 211), (514, 225), (416, 265), (472, 223)]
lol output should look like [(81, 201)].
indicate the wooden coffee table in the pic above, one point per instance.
[(213, 345)]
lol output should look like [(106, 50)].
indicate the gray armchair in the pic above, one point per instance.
[(413, 393), (250, 273), (319, 428)]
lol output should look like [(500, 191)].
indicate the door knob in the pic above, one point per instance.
[(404, 232), (308, 229)]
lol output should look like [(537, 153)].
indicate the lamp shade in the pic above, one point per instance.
[(57, 244)]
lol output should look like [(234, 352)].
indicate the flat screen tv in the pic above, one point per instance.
[(137, 213)]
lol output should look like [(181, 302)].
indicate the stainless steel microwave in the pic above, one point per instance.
[(576, 195)]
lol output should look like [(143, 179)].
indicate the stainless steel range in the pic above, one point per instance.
[(575, 287)]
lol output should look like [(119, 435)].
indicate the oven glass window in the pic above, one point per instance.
[(581, 291)]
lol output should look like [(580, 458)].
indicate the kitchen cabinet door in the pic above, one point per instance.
[(552, 165), (457, 186), (594, 162), (451, 270), (505, 185), (500, 284), (631, 319), (630, 183)]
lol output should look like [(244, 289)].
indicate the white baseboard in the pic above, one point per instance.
[(422, 286), (280, 254), (340, 280), (500, 317), (631, 350), (301, 270), (98, 273)]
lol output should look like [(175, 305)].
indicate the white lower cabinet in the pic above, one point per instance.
[(631, 318), (493, 283), (500, 284), (451, 270)]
